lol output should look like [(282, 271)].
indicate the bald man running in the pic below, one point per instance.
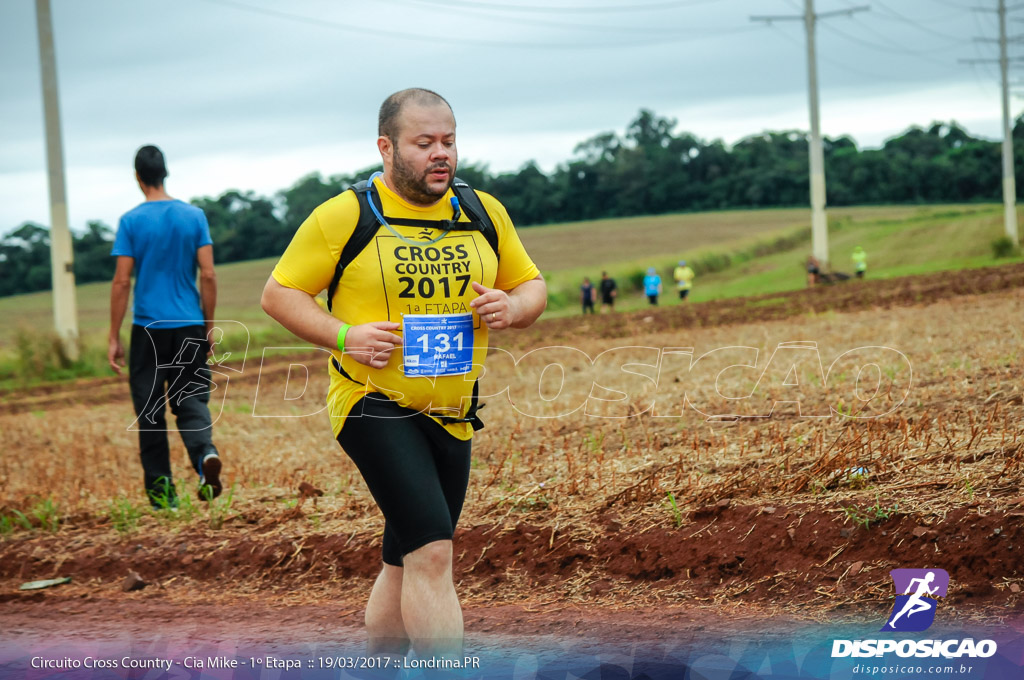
[(409, 326)]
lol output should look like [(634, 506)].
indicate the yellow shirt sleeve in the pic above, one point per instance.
[(514, 264), (309, 261)]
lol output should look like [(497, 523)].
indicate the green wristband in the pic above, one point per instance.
[(342, 332)]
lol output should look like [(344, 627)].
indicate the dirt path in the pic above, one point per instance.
[(841, 297), (508, 641)]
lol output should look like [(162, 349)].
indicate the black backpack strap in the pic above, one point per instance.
[(365, 230), (470, 203), (471, 416), (342, 371)]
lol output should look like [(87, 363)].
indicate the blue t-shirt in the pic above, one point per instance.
[(163, 237), (652, 282)]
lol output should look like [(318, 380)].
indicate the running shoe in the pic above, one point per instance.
[(209, 479)]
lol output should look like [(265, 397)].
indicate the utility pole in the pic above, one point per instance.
[(819, 222), (65, 312), (1009, 180)]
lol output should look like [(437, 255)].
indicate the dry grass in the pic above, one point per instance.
[(958, 428), (957, 433)]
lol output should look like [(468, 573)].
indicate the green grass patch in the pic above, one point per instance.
[(124, 515), (219, 508), (43, 515), (934, 239)]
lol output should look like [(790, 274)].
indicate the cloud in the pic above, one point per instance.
[(253, 94)]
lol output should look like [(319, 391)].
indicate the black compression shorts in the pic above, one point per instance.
[(416, 471)]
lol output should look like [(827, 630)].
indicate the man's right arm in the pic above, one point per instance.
[(297, 310), (305, 268), (120, 288)]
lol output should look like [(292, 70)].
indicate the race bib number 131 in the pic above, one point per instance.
[(437, 344)]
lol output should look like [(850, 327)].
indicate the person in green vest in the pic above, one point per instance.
[(860, 261), (683, 275)]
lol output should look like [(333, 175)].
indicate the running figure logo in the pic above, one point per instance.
[(914, 610)]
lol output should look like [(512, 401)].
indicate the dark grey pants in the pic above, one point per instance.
[(168, 366)]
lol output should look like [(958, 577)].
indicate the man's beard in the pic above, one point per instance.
[(415, 188)]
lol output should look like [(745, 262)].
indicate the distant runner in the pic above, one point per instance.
[(587, 295), (860, 261), (609, 291), (683, 275), (652, 285), (813, 271)]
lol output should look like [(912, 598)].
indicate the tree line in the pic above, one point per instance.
[(649, 169)]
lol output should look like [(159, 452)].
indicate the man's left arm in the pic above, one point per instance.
[(518, 308), (528, 301), (207, 287), (513, 302)]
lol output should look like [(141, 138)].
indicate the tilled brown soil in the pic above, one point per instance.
[(725, 553)]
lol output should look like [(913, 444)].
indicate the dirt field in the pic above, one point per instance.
[(629, 488)]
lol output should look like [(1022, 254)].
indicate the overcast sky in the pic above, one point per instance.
[(254, 94)]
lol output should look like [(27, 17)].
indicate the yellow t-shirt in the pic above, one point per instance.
[(684, 277), (393, 276)]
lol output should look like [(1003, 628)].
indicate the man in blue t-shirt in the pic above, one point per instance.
[(652, 285), (165, 241)]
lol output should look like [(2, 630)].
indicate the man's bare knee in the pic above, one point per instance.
[(433, 559)]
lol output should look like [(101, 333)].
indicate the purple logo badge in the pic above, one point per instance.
[(917, 592)]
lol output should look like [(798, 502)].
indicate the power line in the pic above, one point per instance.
[(986, 66), (487, 13), (886, 47), (835, 62), (883, 48), (896, 16), (944, 47), (587, 9), (433, 40)]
